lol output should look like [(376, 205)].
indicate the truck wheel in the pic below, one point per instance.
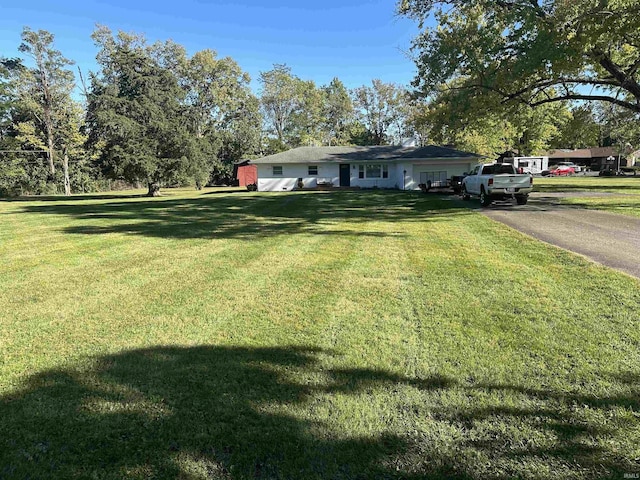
[(465, 195), (522, 199), (485, 200)]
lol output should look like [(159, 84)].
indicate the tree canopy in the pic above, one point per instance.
[(531, 51), (134, 112)]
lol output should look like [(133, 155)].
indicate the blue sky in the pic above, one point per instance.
[(355, 40)]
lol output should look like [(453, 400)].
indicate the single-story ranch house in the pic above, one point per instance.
[(403, 168)]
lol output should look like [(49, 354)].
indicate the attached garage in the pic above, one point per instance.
[(440, 173)]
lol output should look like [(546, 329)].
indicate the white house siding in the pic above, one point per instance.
[(291, 172), (402, 175), (356, 181)]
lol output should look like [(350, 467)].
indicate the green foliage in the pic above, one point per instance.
[(279, 98), (134, 112), (380, 108), (305, 127), (484, 124), (48, 118), (33, 114), (337, 112), (159, 116), (581, 130), (272, 145), (299, 113), (619, 128), (358, 134), (223, 118), (529, 51), (242, 133)]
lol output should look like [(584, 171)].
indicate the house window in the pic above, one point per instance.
[(373, 170), (277, 170), (313, 170)]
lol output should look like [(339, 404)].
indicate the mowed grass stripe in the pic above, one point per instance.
[(313, 335)]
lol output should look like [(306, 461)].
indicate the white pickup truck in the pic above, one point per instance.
[(497, 181)]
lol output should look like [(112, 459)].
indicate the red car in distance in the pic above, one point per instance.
[(562, 170)]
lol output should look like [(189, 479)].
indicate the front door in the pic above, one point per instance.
[(345, 175)]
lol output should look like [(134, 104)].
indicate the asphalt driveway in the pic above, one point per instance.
[(607, 238)]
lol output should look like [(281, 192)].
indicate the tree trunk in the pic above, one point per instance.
[(65, 169), (50, 152), (154, 190), (51, 177)]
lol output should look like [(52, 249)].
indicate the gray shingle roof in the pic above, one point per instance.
[(354, 154)]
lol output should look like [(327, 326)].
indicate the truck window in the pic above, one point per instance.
[(488, 169), (505, 169)]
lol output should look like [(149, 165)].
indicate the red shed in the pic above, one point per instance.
[(246, 173)]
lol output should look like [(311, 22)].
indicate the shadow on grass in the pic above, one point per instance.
[(202, 412), (249, 216), (241, 413)]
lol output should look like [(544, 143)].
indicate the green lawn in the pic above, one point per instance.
[(579, 183), (621, 194), (307, 335)]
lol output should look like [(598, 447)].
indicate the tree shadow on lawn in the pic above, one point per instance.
[(251, 216), (202, 412), (225, 412)]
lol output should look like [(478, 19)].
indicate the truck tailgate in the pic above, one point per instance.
[(511, 181)]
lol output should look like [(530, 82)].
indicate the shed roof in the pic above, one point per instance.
[(353, 154), (595, 152)]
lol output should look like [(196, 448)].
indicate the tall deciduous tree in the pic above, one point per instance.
[(220, 106), (279, 98), (531, 51), (379, 108), (337, 112), (305, 127), (242, 130), (45, 92)]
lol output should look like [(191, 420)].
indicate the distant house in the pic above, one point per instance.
[(598, 158), (398, 167), (245, 173)]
